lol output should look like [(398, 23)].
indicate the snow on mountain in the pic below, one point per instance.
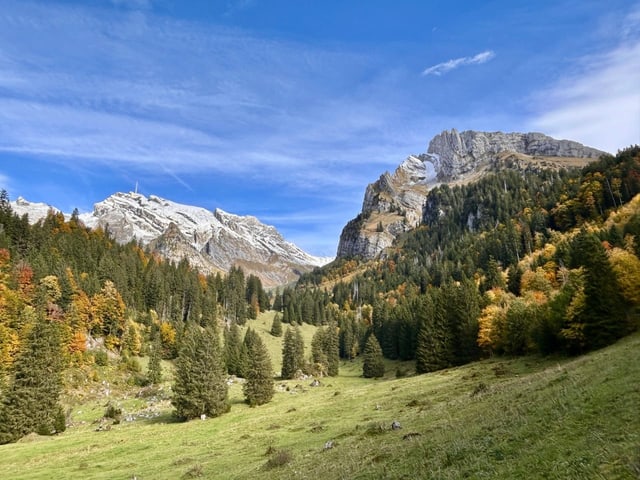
[(210, 240), (35, 211)]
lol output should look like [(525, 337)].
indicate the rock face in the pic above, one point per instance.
[(455, 154), (394, 203), (211, 241)]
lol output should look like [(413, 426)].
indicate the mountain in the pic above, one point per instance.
[(395, 202), (211, 241), (35, 211)]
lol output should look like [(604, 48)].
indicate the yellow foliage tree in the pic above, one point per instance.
[(626, 266), (109, 314), (9, 347)]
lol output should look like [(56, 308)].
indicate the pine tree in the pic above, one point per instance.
[(432, 343), (292, 353), (250, 338), (154, 369), (373, 366), (258, 388), (603, 317), (31, 403), (233, 354), (317, 347), (200, 386), (276, 326), (332, 349)]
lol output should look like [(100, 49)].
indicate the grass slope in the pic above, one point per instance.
[(521, 418)]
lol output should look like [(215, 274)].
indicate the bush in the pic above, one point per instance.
[(113, 412), (131, 364), (101, 358), (278, 459)]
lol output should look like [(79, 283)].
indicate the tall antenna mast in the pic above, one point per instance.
[(136, 186)]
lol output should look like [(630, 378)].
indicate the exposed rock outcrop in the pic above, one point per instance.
[(455, 154), (394, 203)]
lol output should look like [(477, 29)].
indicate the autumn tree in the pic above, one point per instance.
[(109, 314)]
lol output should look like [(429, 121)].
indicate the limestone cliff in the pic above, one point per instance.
[(394, 203)]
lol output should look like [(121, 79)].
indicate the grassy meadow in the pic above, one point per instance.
[(552, 418)]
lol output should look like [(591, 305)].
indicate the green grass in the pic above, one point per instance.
[(522, 418)]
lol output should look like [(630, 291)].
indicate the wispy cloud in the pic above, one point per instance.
[(133, 4), (444, 67), (599, 103)]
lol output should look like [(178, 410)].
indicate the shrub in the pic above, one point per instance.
[(278, 459), (101, 358)]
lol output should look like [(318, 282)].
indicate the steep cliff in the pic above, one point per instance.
[(394, 203)]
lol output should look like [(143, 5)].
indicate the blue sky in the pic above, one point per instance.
[(287, 109)]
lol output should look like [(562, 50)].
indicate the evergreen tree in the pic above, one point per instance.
[(276, 326), (432, 343), (332, 349), (200, 385), (603, 316), (292, 353), (31, 403), (250, 338), (373, 365), (233, 355), (299, 349), (258, 388), (154, 369), (318, 354)]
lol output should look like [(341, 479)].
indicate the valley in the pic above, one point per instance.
[(529, 417)]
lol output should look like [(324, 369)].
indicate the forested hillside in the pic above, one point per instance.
[(70, 296), (522, 260)]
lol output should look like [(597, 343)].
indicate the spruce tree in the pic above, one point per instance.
[(373, 366), (258, 388), (233, 354), (250, 337), (317, 347), (603, 317), (154, 369), (432, 343), (200, 386), (276, 326), (31, 403), (332, 349), (292, 353)]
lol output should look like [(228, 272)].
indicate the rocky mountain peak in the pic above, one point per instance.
[(211, 241), (394, 203), (455, 154)]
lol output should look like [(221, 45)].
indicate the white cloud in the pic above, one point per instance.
[(599, 103), (452, 64)]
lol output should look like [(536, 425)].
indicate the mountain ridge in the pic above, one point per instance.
[(394, 203), (211, 240)]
